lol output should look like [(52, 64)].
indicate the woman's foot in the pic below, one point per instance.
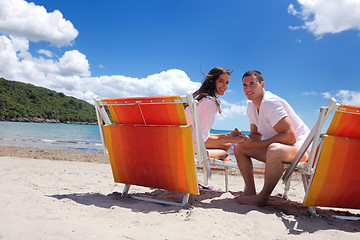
[(202, 187)]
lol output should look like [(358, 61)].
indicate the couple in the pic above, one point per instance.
[(269, 116)]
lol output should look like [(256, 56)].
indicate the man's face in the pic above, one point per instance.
[(252, 88)]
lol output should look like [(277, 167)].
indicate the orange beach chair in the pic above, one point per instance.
[(332, 175), (149, 144)]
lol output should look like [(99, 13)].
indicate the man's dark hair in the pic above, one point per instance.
[(255, 73)]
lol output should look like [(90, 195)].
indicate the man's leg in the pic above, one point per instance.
[(243, 157), (276, 155)]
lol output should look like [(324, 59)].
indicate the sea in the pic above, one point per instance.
[(55, 136)]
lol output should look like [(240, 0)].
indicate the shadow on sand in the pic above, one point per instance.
[(295, 216)]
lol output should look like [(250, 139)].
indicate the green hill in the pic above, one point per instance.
[(26, 102)]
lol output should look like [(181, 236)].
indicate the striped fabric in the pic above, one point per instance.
[(151, 145), (346, 122), (128, 110), (336, 182)]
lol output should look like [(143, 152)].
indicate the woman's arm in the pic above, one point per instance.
[(231, 137)]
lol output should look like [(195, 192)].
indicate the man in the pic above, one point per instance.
[(273, 118)]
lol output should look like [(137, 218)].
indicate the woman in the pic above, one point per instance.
[(216, 83)]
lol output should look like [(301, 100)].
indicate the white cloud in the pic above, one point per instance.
[(45, 52), (73, 63), (22, 19), (9, 61), (309, 93), (231, 110), (326, 94), (344, 96), (292, 10), (327, 16), (349, 97), (70, 74), (17, 63), (170, 82)]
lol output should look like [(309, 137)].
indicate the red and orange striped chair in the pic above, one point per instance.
[(149, 143), (332, 176)]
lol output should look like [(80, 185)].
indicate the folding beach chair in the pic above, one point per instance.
[(149, 143), (332, 174)]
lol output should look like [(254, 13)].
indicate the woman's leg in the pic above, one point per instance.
[(217, 150), (217, 153), (213, 144)]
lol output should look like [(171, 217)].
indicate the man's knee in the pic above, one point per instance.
[(279, 152), (274, 148), (238, 148)]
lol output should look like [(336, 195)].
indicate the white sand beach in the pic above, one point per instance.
[(48, 194)]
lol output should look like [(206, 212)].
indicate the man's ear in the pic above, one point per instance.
[(263, 84)]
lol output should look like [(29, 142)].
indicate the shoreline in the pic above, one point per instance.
[(60, 155)]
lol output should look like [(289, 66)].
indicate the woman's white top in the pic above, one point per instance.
[(207, 112)]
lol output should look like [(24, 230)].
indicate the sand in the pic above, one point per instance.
[(49, 194)]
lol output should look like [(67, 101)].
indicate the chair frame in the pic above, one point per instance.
[(202, 159), (307, 169)]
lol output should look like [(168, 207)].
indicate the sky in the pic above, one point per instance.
[(307, 50)]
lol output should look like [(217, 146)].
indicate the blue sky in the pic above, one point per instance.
[(307, 50)]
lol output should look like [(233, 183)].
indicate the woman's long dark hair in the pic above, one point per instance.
[(208, 87)]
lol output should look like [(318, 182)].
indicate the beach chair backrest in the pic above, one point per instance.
[(346, 122), (165, 110), (149, 142), (336, 181)]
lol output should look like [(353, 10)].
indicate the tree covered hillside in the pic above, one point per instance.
[(21, 101)]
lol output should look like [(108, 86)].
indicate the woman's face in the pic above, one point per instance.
[(221, 84)]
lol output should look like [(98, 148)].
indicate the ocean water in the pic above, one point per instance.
[(69, 137)]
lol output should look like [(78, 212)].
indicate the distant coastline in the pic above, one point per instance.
[(22, 102)]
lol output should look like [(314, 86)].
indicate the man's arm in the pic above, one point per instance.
[(286, 135), (254, 134)]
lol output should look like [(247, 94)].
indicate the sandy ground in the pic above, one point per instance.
[(49, 194)]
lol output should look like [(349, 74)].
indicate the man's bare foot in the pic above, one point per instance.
[(254, 200), (246, 194)]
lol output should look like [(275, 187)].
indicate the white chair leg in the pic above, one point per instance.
[(226, 179), (287, 187), (125, 190), (312, 210)]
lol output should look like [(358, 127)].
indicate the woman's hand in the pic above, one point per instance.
[(234, 133), (237, 133), (241, 138)]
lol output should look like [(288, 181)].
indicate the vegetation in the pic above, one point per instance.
[(21, 101)]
